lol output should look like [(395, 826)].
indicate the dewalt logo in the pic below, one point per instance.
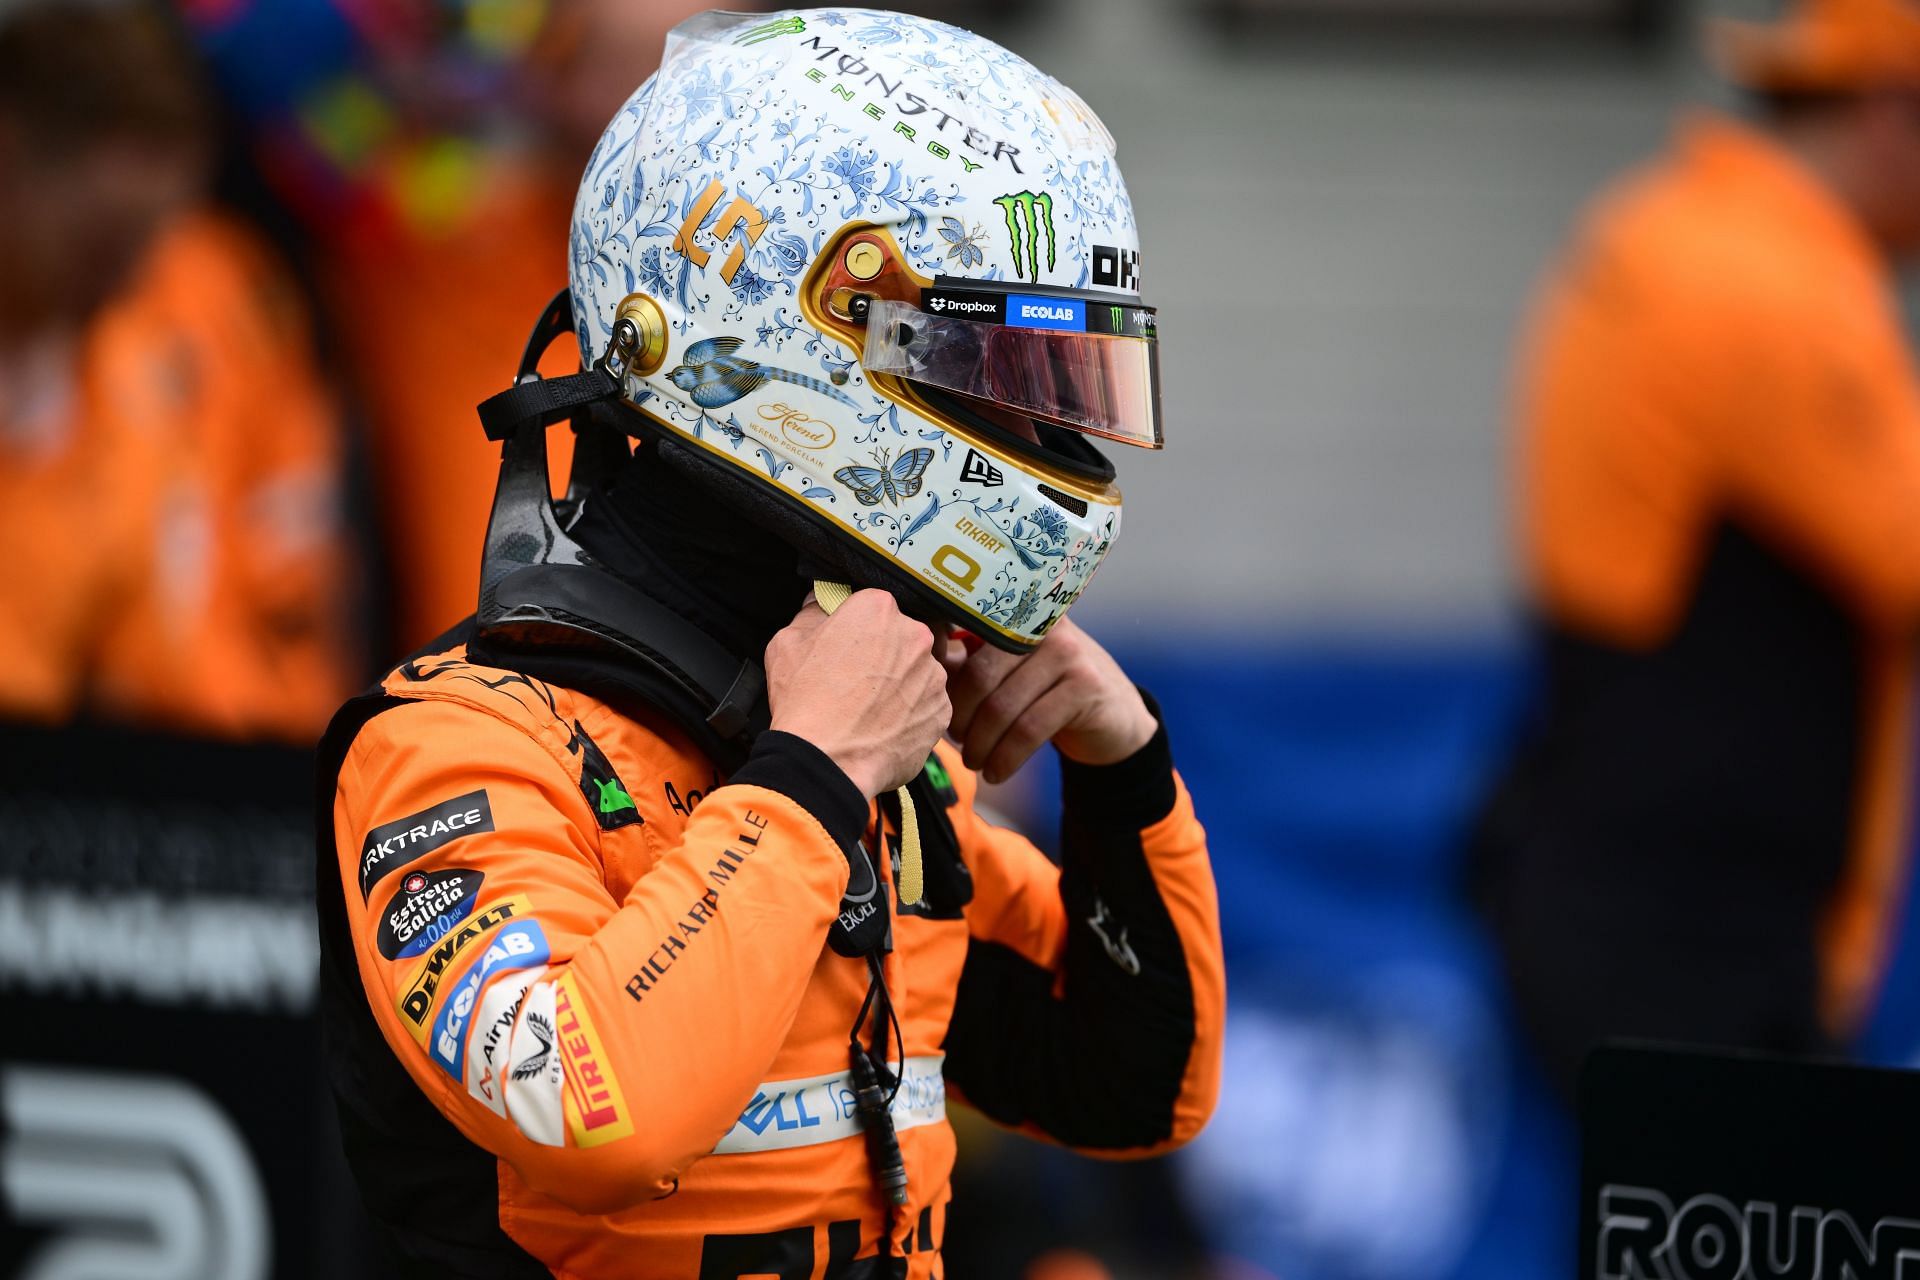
[(1027, 215), (417, 1001)]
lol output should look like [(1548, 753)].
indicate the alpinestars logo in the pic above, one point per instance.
[(1118, 949), (1643, 1237), (1027, 215), (978, 470)]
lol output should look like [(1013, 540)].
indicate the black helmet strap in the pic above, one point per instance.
[(543, 597)]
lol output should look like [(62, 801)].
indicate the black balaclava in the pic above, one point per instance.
[(663, 531)]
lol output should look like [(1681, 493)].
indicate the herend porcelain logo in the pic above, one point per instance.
[(798, 429), (1027, 214)]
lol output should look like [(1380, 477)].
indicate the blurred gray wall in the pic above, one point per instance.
[(1342, 236)]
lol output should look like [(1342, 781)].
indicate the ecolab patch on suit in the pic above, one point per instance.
[(426, 907), (516, 946), (393, 845)]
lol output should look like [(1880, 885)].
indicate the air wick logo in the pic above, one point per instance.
[(1027, 214), (768, 30)]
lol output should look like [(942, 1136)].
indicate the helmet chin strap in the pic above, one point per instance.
[(831, 595)]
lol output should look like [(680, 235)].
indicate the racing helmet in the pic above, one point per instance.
[(877, 279)]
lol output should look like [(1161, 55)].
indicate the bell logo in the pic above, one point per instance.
[(1027, 214)]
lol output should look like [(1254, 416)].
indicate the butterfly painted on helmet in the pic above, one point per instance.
[(900, 479)]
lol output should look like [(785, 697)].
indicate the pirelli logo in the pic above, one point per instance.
[(416, 1002), (596, 1111)]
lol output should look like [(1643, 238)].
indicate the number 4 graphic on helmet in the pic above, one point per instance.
[(741, 215)]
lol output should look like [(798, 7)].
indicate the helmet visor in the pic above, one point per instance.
[(1089, 364)]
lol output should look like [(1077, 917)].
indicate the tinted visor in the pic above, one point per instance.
[(1081, 362)]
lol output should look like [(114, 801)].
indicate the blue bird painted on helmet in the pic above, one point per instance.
[(713, 376)]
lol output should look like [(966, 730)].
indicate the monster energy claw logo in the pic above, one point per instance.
[(1026, 213), (768, 30)]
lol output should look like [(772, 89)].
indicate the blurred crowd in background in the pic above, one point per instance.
[(1645, 771)]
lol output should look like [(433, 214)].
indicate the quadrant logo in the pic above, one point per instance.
[(1027, 215)]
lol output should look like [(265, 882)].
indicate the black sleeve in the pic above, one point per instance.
[(1101, 1065)]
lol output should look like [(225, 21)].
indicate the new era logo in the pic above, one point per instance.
[(980, 471)]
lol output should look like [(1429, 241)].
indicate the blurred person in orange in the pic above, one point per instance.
[(169, 462), (433, 149), (1719, 492)]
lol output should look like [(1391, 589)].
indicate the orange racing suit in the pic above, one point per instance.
[(607, 968)]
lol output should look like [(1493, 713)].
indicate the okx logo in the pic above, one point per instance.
[(1027, 215)]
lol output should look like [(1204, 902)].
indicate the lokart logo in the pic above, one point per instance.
[(978, 470), (1028, 214)]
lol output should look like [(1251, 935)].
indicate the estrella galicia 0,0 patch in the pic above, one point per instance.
[(425, 907)]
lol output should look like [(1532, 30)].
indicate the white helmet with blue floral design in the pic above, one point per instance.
[(884, 278)]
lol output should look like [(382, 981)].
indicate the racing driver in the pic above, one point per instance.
[(657, 921)]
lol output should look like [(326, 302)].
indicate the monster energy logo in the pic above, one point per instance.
[(1115, 313), (1026, 213), (768, 30)]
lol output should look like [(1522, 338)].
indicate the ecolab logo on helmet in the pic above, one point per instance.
[(1025, 312)]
